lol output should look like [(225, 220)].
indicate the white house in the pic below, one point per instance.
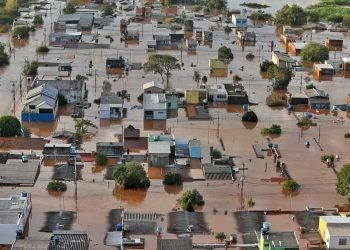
[(154, 106), (216, 93), (153, 87), (239, 21), (335, 231), (111, 106), (14, 213)]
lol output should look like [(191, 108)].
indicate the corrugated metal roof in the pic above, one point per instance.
[(153, 84), (159, 147), (154, 101), (19, 172), (67, 239)]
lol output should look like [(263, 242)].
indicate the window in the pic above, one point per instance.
[(342, 242), (32, 106)]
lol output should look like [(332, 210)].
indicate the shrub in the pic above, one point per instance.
[(251, 202), (81, 78), (266, 65), (4, 58), (131, 175), (30, 68), (9, 126), (140, 97), (291, 15), (310, 86), (306, 122), (56, 186), (61, 100), (204, 79), (250, 56), (280, 77), (106, 10), (347, 135), (328, 159), (276, 99), (290, 185), (225, 54), (273, 130), (26, 132), (260, 16), (227, 29), (172, 179), (38, 20), (216, 154), (42, 49), (101, 159), (69, 9), (249, 116), (221, 236), (236, 78), (21, 32), (188, 25), (190, 199), (346, 21)]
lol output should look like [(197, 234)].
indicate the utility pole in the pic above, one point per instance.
[(218, 128), (301, 81), (95, 80), (319, 133), (14, 97)]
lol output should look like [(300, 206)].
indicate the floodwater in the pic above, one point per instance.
[(97, 197)]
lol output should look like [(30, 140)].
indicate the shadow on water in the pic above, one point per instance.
[(287, 193), (19, 43), (132, 197), (173, 189), (249, 125)]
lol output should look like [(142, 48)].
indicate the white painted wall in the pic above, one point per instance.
[(7, 234)]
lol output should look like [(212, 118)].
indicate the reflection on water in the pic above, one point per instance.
[(19, 43), (109, 122), (249, 125), (154, 125), (290, 193), (173, 189), (41, 129), (132, 197), (98, 169), (156, 172)]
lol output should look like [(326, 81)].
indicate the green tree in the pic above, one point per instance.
[(236, 78), (189, 199), (227, 29), (82, 126), (188, 25), (346, 21), (290, 185), (81, 78), (11, 5), (4, 58), (131, 175), (221, 236), (291, 15), (101, 159), (251, 202), (260, 16), (56, 186), (162, 65), (26, 132), (69, 9), (225, 54), (61, 100), (38, 20), (315, 52), (172, 178), (106, 10), (204, 79), (265, 65), (280, 77), (21, 32), (216, 154), (210, 5), (42, 49), (9, 126), (343, 184), (250, 116), (30, 68)]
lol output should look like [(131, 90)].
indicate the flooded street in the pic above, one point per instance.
[(96, 196)]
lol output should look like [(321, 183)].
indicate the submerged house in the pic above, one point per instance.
[(111, 106), (196, 96), (218, 68), (334, 44), (236, 94), (77, 22), (335, 231), (64, 38), (282, 60), (153, 87), (191, 44), (323, 72), (41, 104), (216, 93), (110, 149), (246, 36), (154, 106), (318, 99), (161, 149), (239, 21), (296, 47)]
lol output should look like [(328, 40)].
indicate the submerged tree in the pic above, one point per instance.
[(189, 199), (82, 126), (315, 52), (291, 15), (162, 65), (280, 77), (343, 184), (131, 175)]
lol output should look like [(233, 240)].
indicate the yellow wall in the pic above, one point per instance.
[(322, 228), (192, 96)]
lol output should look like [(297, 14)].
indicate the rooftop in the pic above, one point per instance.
[(154, 101), (283, 56), (78, 240), (312, 93), (153, 84), (335, 219), (110, 98), (174, 244), (61, 84), (16, 172), (109, 144), (282, 239), (324, 66), (159, 147), (217, 64)]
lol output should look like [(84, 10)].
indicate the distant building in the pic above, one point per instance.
[(335, 231), (323, 72), (282, 60), (110, 149), (158, 153), (116, 63), (196, 96), (111, 106), (318, 99), (64, 38), (41, 104), (162, 41), (154, 106), (245, 36), (153, 87), (334, 44), (239, 21), (14, 214)]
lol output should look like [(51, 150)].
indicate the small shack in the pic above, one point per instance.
[(334, 44), (236, 94), (298, 99), (296, 47), (318, 99), (218, 68), (323, 72), (282, 60)]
